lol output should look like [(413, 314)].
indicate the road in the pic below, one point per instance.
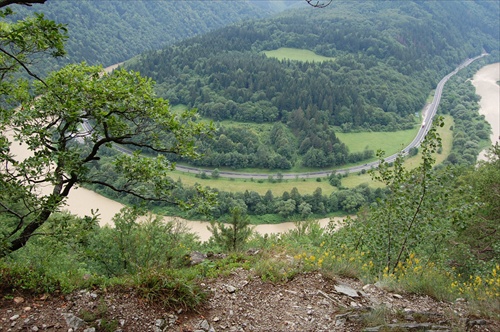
[(429, 113)]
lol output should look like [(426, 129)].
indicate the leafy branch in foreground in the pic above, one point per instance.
[(417, 215), (81, 110)]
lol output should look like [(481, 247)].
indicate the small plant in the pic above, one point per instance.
[(233, 236), (380, 315), (276, 271), (170, 288), (16, 277)]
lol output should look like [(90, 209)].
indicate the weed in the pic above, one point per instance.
[(274, 270), (378, 316), (170, 288)]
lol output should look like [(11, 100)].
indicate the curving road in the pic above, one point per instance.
[(429, 113)]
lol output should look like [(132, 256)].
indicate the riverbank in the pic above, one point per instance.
[(486, 83), (82, 202)]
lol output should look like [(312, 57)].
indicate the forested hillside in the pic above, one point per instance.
[(385, 58), (108, 32)]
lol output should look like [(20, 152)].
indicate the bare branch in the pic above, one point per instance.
[(319, 4), (133, 193), (35, 76), (4, 3)]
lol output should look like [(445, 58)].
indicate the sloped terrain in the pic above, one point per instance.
[(243, 302)]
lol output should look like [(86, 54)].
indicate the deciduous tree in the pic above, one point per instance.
[(79, 112)]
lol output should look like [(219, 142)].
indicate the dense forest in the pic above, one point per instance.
[(385, 56), (108, 32), (428, 230)]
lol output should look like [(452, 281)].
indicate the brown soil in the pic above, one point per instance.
[(243, 302)]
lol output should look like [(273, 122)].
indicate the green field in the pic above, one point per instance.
[(297, 54), (240, 185), (390, 142), (307, 186)]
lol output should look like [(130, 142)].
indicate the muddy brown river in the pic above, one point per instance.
[(485, 82), (81, 201)]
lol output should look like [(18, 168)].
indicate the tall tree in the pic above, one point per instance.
[(80, 111)]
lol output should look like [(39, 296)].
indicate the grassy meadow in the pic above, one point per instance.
[(391, 142), (285, 53)]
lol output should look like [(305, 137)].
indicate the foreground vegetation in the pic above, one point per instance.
[(423, 238), (430, 230)]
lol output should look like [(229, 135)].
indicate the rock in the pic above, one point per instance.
[(216, 319), (90, 329), (396, 296), (13, 318), (72, 321), (204, 325), (196, 257), (340, 322), (35, 328), (472, 323), (230, 289), (160, 323), (408, 327), (253, 251), (18, 300), (369, 288), (346, 290)]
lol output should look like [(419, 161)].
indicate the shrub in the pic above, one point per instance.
[(172, 289)]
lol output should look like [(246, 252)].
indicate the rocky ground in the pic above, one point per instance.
[(243, 302)]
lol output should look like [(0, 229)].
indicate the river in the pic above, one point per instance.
[(81, 201), (107, 208), (485, 82)]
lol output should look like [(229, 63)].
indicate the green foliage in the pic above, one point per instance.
[(478, 236), (18, 277), (79, 104), (138, 243), (378, 80), (215, 173), (214, 267), (275, 270), (20, 42), (113, 31), (98, 317), (414, 218), (173, 289), (471, 131), (233, 236)]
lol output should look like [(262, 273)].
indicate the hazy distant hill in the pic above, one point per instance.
[(112, 31)]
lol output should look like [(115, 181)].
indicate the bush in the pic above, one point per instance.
[(15, 277), (169, 288)]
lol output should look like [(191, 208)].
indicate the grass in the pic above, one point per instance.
[(285, 53), (446, 135), (259, 186), (390, 142), (356, 142)]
